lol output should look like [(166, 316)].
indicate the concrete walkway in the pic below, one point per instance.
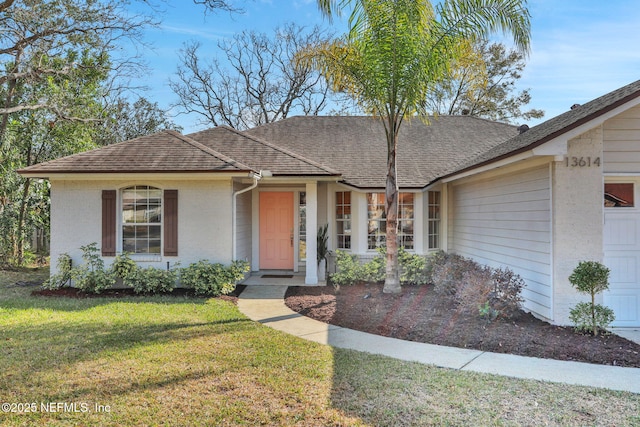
[(265, 304)]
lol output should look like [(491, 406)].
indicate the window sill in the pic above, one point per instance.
[(146, 257)]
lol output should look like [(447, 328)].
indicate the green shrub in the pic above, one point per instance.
[(92, 282), (123, 267), (588, 317), (213, 279), (151, 280), (63, 276), (487, 312), (590, 277), (348, 270), (91, 276), (375, 269), (413, 268)]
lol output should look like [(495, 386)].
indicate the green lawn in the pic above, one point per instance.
[(199, 362)]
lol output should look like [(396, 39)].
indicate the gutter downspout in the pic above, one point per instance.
[(256, 178)]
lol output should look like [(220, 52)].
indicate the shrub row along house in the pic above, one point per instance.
[(535, 200)]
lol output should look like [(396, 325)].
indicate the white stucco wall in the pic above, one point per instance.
[(204, 218), (502, 218), (578, 217), (76, 218)]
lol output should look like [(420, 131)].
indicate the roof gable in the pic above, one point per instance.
[(557, 126)]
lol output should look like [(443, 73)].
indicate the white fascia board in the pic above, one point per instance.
[(556, 147), (559, 145), (181, 176), (491, 166)]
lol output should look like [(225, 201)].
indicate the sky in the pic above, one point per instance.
[(580, 49)]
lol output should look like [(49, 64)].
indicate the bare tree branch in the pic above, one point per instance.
[(6, 4), (215, 5), (262, 83)]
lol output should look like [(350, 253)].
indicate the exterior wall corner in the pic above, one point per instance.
[(577, 217)]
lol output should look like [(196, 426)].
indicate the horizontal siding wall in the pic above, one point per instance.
[(621, 136), (505, 221)]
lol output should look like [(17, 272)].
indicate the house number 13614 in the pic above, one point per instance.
[(582, 162)]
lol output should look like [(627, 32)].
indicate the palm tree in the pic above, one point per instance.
[(393, 55)]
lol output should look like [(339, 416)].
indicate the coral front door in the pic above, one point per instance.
[(276, 231)]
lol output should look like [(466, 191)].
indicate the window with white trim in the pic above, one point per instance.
[(433, 230), (142, 220), (343, 219), (377, 220)]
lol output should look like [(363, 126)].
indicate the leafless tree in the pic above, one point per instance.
[(259, 82)]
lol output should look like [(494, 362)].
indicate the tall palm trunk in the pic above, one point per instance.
[(392, 279)]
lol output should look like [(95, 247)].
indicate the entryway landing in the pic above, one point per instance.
[(277, 277)]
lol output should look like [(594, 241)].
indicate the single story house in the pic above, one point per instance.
[(535, 200)]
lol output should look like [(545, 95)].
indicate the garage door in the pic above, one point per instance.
[(622, 253)]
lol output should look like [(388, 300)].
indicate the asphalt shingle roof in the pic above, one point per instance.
[(260, 154), (166, 151), (353, 148), (356, 146)]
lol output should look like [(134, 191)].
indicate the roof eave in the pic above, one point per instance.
[(560, 138), (93, 175), (296, 177)]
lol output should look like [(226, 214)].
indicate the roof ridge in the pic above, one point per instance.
[(211, 151), (282, 150)]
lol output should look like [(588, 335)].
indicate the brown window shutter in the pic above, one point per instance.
[(170, 222), (108, 222)]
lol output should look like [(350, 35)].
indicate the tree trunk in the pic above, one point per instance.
[(22, 219), (392, 280)]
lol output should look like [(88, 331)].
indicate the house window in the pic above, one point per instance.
[(434, 220), (141, 220), (302, 227), (618, 195), (377, 220), (343, 219), (405, 220)]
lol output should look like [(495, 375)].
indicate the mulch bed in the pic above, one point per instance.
[(418, 314)]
